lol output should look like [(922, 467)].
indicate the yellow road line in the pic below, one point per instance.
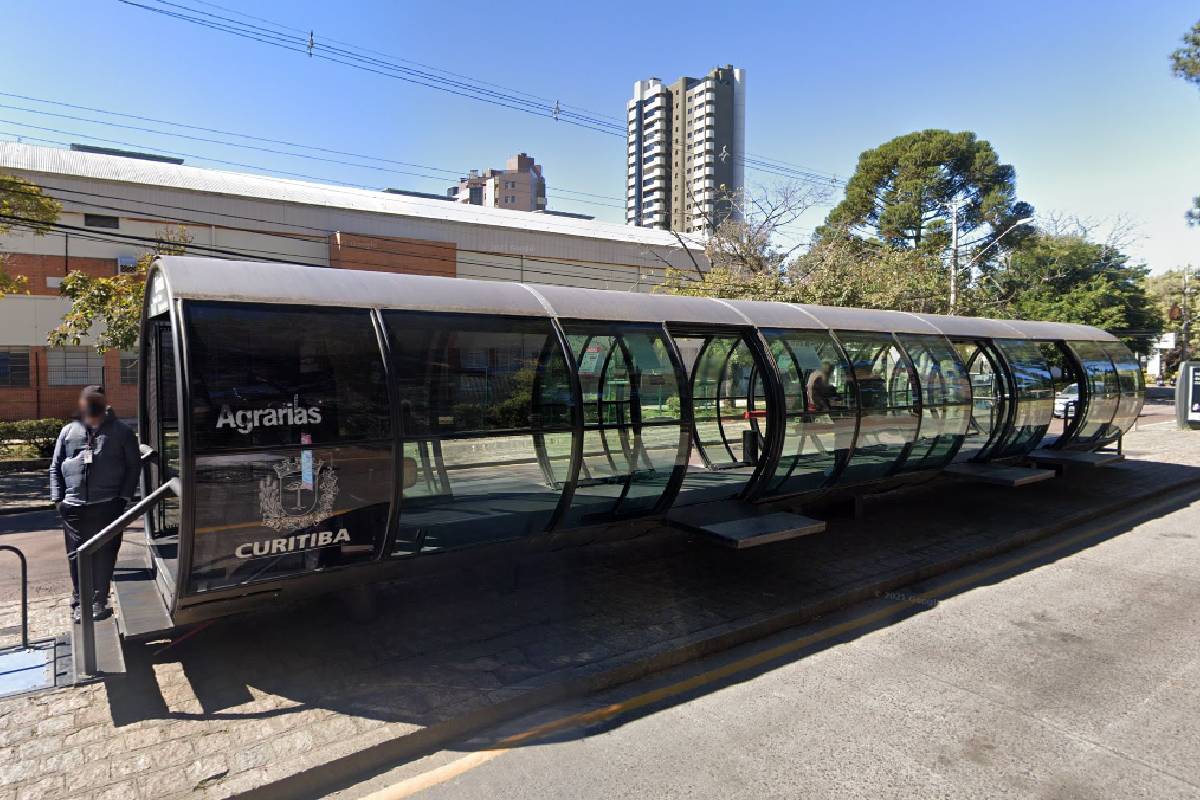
[(460, 766)]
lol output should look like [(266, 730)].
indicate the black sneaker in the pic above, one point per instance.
[(101, 611)]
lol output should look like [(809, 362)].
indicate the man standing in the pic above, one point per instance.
[(93, 474)]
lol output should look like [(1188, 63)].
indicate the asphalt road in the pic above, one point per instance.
[(1068, 670), (38, 536)]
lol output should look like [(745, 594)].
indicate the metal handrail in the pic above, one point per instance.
[(24, 594), (84, 554)]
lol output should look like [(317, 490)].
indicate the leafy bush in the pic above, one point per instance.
[(38, 435)]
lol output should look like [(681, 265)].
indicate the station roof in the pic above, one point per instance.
[(197, 278)]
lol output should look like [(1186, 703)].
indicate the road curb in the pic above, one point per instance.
[(579, 681), (26, 509)]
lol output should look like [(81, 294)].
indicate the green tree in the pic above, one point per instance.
[(1066, 278), (114, 301), (836, 271), (1185, 63), (22, 206), (843, 271), (903, 192), (1166, 295)]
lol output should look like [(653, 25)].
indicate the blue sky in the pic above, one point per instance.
[(1078, 96)]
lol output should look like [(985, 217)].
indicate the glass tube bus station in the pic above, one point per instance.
[(331, 427)]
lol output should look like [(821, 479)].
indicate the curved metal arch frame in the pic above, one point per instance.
[(921, 393), (577, 429), (579, 425), (831, 481), (1001, 368), (1071, 431), (918, 406), (1095, 440)]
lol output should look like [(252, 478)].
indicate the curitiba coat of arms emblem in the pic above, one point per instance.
[(289, 503)]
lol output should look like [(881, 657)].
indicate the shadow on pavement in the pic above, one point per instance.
[(446, 646)]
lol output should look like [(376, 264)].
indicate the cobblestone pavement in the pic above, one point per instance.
[(254, 699), (24, 489)]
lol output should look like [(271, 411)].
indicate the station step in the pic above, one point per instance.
[(1075, 458), (740, 526), (999, 474), (141, 612), (110, 658)]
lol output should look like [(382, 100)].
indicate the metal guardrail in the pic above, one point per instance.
[(24, 593), (87, 550)]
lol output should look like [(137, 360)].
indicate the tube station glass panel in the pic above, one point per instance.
[(990, 398), (888, 415), (818, 389), (292, 432), (1034, 385), (729, 414), (1132, 383), (487, 424), (945, 400), (634, 436), (1104, 393)]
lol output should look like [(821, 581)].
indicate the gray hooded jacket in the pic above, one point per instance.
[(113, 469)]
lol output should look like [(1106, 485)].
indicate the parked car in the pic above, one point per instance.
[(1069, 396)]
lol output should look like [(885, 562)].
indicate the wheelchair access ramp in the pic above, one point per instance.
[(740, 526)]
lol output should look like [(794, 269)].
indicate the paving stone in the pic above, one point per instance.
[(258, 698), (117, 791), (43, 789)]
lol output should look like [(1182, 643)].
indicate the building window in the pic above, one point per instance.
[(101, 221), (74, 366), (126, 265), (129, 368), (14, 366)]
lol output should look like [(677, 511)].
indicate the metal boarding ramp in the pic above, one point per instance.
[(96, 644)]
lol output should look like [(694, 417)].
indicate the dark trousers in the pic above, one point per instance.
[(81, 523)]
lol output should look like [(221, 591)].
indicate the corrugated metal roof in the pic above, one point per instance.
[(54, 161), (197, 278)]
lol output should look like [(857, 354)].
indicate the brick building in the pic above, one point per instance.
[(116, 206)]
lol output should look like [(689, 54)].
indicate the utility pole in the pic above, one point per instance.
[(953, 256), (1187, 316)]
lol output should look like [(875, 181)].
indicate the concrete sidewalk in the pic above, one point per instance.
[(299, 697)]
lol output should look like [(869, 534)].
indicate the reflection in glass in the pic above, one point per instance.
[(263, 515), (945, 401), (1034, 396), (990, 399), (888, 413), (280, 375), (1132, 386), (486, 417), (730, 414), (819, 401), (634, 439), (1103, 396)]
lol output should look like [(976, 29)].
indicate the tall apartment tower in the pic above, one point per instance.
[(519, 186), (687, 150)]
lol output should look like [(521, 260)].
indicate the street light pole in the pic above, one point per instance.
[(1187, 317), (977, 256), (953, 256)]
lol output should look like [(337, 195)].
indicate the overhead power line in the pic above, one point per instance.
[(297, 40), (382, 67), (260, 148)]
